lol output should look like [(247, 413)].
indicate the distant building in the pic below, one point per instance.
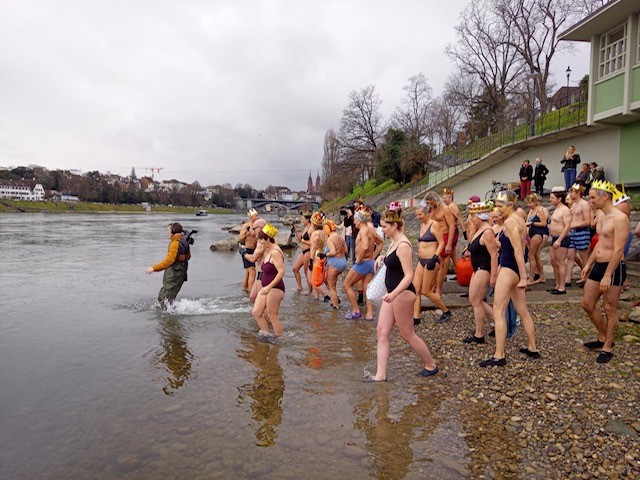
[(563, 97), (21, 191)]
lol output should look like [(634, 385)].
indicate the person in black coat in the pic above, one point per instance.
[(570, 161), (526, 175), (540, 176)]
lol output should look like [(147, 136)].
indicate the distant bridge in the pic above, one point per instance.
[(289, 205)]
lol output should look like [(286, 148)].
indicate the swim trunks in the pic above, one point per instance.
[(565, 243), (580, 238), (246, 263), (456, 235), (365, 267), (618, 277), (337, 262)]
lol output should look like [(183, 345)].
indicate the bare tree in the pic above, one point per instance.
[(337, 177), (536, 25), (484, 50), (361, 130), (412, 117)]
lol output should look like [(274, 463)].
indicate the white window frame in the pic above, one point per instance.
[(638, 42), (612, 56)]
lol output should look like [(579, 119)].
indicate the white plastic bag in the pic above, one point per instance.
[(376, 288)]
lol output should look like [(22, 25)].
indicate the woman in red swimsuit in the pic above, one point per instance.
[(267, 306)]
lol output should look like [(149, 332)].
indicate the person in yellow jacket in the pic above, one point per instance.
[(174, 266)]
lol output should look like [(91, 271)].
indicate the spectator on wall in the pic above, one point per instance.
[(526, 175), (570, 161), (540, 176)]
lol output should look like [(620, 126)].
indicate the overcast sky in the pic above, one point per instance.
[(217, 91)]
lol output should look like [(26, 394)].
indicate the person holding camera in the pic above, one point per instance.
[(174, 265)]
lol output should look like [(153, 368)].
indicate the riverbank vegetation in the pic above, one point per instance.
[(90, 207)]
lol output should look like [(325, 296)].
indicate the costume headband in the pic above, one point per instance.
[(605, 186), (620, 197), (395, 206), (251, 212), (317, 218), (503, 197), (576, 187), (557, 189), (270, 230), (480, 207), (448, 191)]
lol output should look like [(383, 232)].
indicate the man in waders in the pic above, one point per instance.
[(174, 266)]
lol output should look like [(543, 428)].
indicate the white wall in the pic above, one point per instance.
[(602, 147)]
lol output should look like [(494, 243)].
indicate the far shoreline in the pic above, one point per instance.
[(14, 206)]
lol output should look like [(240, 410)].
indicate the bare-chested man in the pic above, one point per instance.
[(248, 239), (447, 199), (580, 233), (605, 271), (560, 241), (447, 221), (368, 246)]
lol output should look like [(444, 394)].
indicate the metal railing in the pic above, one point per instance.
[(454, 160)]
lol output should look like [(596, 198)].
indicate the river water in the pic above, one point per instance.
[(97, 382)]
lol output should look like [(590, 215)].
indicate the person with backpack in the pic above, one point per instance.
[(174, 265)]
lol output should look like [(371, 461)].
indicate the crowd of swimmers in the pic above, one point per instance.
[(501, 239)]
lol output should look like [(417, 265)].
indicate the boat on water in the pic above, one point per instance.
[(202, 213)]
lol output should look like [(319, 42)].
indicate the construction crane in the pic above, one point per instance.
[(152, 169)]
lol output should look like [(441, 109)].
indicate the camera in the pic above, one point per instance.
[(343, 212), (189, 237)]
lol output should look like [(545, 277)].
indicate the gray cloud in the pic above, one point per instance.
[(227, 91)]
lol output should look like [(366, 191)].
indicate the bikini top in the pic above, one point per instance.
[(428, 236)]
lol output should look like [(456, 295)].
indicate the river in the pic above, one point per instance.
[(97, 382)]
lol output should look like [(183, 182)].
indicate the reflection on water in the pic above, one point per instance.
[(175, 354), (265, 391)]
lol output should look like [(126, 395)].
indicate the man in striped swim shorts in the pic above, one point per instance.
[(580, 234)]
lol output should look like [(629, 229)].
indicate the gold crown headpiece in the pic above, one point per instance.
[(392, 215), (270, 230), (605, 186), (480, 207), (620, 197), (577, 187), (317, 218), (307, 214), (448, 191), (251, 212), (502, 197)]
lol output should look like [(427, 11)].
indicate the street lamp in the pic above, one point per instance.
[(535, 77), (568, 76)]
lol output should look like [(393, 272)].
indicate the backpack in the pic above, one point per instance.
[(184, 249)]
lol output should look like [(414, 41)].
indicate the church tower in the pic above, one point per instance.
[(318, 182), (309, 183)]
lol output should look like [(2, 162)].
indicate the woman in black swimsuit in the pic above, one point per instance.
[(430, 245), (398, 302), (538, 235), (483, 248), (511, 282), (303, 259)]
